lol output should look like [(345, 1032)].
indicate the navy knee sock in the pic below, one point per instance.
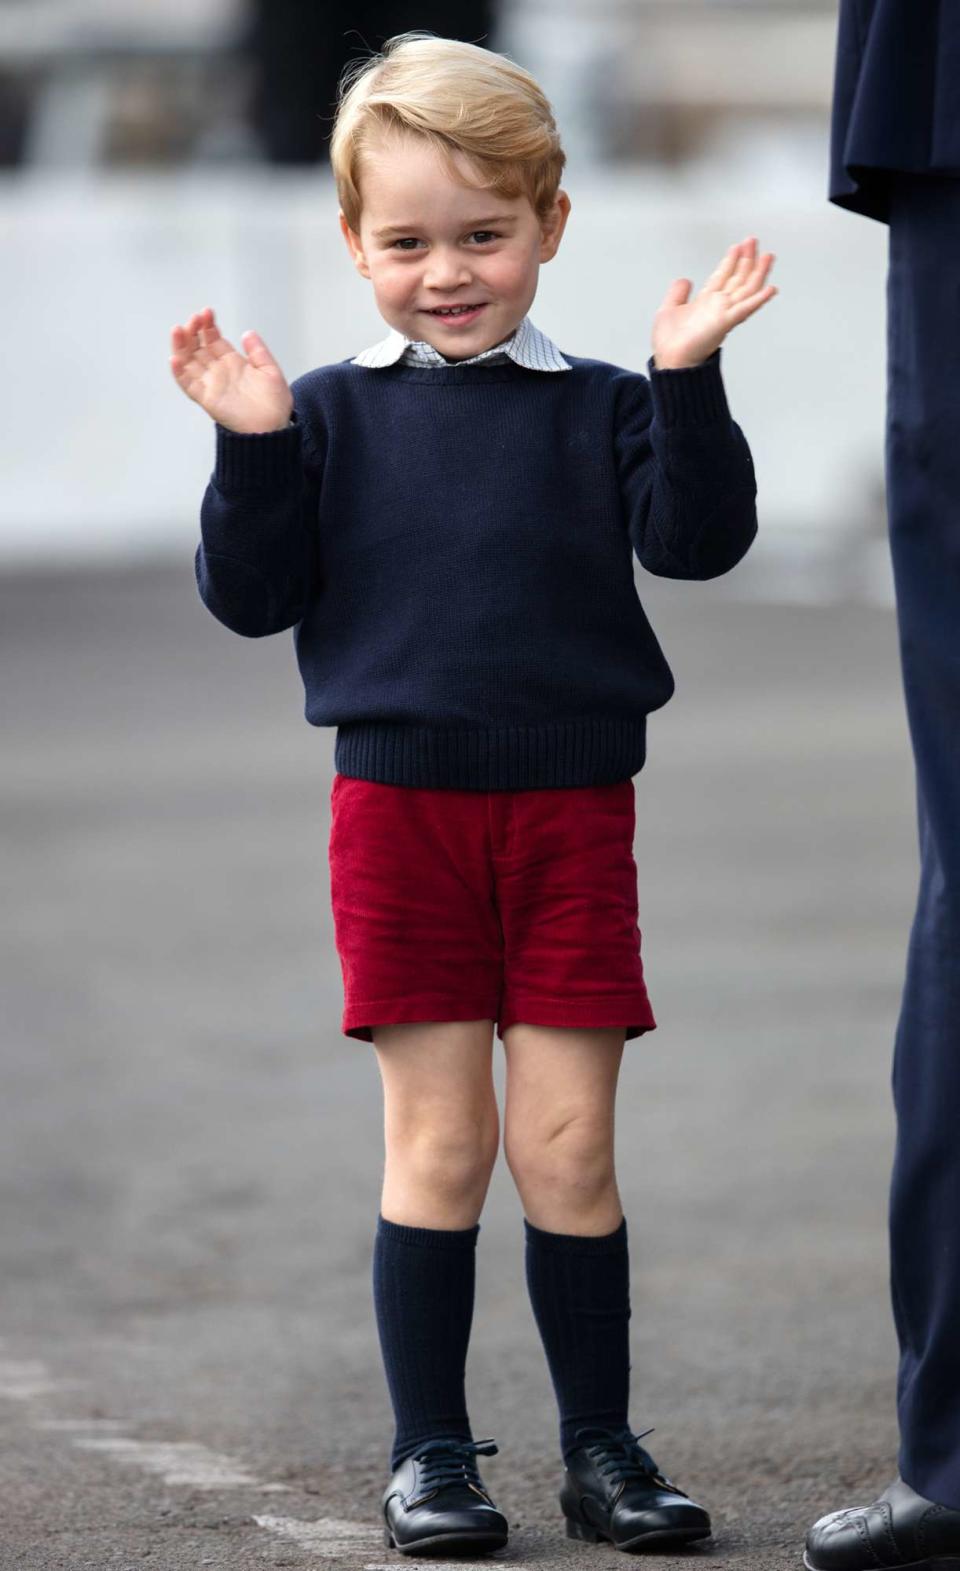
[(579, 1288), (423, 1289)]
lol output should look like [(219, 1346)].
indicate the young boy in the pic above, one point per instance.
[(448, 521)]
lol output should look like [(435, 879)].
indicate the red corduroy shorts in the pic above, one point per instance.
[(471, 905)]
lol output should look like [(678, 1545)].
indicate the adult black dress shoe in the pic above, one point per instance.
[(900, 1529), (613, 1489), (436, 1501)]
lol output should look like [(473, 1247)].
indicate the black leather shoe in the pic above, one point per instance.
[(436, 1500), (612, 1489), (900, 1529)]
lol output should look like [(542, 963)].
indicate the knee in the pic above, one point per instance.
[(449, 1159), (570, 1157)]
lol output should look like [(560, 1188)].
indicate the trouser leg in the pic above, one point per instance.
[(923, 496)]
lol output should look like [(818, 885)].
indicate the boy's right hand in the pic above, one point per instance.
[(245, 394)]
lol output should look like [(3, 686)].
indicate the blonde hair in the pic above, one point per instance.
[(461, 98)]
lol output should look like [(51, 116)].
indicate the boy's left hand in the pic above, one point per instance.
[(686, 332)]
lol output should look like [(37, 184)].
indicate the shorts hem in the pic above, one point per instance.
[(631, 1012), (357, 1021)]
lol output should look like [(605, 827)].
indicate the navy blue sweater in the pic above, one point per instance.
[(453, 547)]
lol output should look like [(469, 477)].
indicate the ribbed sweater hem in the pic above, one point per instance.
[(594, 750)]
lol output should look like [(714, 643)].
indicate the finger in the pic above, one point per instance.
[(190, 376), (743, 269), (199, 320), (183, 346), (187, 373), (186, 339), (191, 357), (188, 330), (215, 344), (737, 259), (678, 293), (186, 377), (209, 343), (723, 270), (257, 351), (748, 254), (754, 280), (201, 356), (747, 307), (740, 283)]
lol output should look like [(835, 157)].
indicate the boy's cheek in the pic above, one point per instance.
[(380, 277), (398, 298), (511, 270), (513, 286), (395, 278)]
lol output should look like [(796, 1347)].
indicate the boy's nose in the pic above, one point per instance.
[(446, 273)]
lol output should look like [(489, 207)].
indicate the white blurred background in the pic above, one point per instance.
[(158, 158)]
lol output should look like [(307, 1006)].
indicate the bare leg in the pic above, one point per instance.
[(559, 1125), (441, 1121)]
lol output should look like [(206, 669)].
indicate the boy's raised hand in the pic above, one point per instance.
[(244, 393), (686, 332)]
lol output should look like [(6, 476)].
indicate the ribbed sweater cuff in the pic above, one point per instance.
[(255, 458), (692, 395)]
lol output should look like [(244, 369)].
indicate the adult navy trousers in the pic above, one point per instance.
[(922, 460)]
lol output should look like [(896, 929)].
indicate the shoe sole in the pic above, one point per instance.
[(938, 1563), (446, 1542), (588, 1534)]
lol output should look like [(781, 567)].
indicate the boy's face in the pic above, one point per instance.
[(447, 244)]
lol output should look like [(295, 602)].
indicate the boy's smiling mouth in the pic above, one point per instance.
[(465, 313)]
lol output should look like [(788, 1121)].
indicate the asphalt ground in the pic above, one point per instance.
[(191, 1151)]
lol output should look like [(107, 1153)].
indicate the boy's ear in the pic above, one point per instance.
[(553, 226), (353, 245)]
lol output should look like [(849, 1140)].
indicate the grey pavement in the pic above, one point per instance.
[(191, 1151)]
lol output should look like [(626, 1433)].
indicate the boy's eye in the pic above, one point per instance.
[(487, 233)]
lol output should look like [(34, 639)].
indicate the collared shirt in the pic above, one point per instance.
[(527, 345)]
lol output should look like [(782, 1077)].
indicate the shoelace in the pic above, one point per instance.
[(622, 1456), (452, 1462)]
